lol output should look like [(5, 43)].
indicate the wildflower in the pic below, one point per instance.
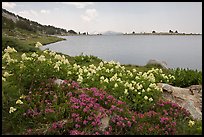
[(3, 79), (19, 101), (12, 109), (139, 93), (85, 122), (6, 74), (9, 50), (116, 85), (106, 80), (80, 78), (6, 56), (134, 70), (126, 91), (45, 51), (48, 110), (77, 126), (164, 119), (150, 99), (23, 56), (102, 78), (54, 125), (56, 66), (34, 55), (41, 58), (58, 57), (148, 89), (145, 97), (52, 53), (191, 123), (101, 64), (66, 61), (129, 123), (9, 60), (38, 44)]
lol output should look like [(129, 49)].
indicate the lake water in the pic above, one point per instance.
[(176, 51)]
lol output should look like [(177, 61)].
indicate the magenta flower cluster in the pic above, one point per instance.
[(72, 110)]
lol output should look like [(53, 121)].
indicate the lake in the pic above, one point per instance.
[(176, 50)]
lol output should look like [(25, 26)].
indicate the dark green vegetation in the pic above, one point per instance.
[(187, 77)]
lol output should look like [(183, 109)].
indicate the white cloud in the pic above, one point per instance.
[(79, 5), (89, 15), (45, 11), (28, 13), (8, 5)]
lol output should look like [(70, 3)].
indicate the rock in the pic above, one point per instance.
[(184, 98), (163, 64), (105, 123), (59, 81)]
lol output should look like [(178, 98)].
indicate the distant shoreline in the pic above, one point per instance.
[(162, 34), (183, 34)]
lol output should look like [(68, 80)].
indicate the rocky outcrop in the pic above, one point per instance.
[(188, 98), (163, 64)]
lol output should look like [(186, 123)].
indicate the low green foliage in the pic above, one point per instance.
[(186, 77), (17, 44), (85, 59)]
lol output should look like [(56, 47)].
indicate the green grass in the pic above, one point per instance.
[(29, 38)]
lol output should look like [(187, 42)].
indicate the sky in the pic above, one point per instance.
[(125, 17)]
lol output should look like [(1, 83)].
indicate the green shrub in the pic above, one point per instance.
[(15, 43), (83, 59), (186, 77)]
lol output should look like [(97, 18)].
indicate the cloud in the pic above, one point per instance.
[(28, 13), (89, 15), (8, 5), (45, 11), (79, 5)]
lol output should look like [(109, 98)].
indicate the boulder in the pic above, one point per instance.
[(163, 64), (191, 100)]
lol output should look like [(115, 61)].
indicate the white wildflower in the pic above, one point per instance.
[(19, 101), (150, 99), (12, 109), (106, 80), (23, 56), (6, 74), (3, 79), (38, 44), (126, 91), (80, 78), (116, 85), (145, 97), (9, 50), (41, 58), (34, 55)]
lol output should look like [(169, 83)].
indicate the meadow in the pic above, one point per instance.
[(94, 97)]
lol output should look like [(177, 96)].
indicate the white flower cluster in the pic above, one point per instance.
[(9, 50), (38, 44), (7, 57)]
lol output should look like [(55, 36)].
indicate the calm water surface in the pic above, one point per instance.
[(176, 51)]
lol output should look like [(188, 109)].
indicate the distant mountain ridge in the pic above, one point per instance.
[(112, 33), (11, 21), (106, 33)]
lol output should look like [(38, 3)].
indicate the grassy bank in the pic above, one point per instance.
[(93, 91)]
